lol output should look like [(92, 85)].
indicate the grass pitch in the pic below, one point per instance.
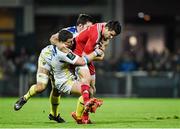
[(114, 113)]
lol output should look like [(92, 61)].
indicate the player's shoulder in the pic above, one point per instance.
[(48, 47), (98, 24), (96, 28), (47, 51)]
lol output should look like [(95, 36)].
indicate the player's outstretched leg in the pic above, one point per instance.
[(31, 92), (58, 118), (34, 89), (18, 105)]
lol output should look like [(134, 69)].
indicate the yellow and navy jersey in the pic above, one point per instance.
[(59, 63)]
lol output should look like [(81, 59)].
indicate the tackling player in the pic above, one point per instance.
[(83, 22), (57, 60), (85, 42)]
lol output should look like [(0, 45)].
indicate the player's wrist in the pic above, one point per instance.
[(97, 52), (86, 59)]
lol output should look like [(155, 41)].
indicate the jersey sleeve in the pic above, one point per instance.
[(69, 57)]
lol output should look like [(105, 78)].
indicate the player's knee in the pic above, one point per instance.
[(40, 87), (85, 77), (42, 78), (86, 80)]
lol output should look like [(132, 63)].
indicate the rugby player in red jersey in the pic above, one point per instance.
[(97, 35)]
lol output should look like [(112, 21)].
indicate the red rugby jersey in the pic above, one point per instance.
[(87, 39)]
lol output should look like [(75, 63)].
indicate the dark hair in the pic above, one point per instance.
[(83, 19), (114, 25), (64, 35)]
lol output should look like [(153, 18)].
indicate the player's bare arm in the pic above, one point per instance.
[(88, 58)]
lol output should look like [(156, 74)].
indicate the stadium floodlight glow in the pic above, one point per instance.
[(147, 17), (141, 15), (133, 40)]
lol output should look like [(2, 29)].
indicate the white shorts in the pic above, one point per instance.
[(66, 86)]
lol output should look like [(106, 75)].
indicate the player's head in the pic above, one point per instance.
[(112, 28), (83, 22), (66, 37)]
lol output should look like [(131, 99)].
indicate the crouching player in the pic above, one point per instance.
[(57, 61)]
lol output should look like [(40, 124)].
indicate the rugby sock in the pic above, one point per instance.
[(85, 92), (31, 92), (80, 107), (86, 96), (85, 116), (54, 100)]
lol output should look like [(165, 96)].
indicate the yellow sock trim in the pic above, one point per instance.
[(30, 93), (54, 103), (80, 107)]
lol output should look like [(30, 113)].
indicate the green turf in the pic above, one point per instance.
[(114, 113)]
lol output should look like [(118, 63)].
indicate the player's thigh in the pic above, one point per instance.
[(83, 74), (52, 80), (40, 87), (54, 90), (43, 65), (42, 75), (93, 80), (76, 88), (43, 70), (42, 78)]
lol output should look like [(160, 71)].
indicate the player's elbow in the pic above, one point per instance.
[(83, 62)]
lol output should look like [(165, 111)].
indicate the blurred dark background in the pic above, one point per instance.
[(144, 61)]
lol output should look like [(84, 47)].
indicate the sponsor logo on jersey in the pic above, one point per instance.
[(71, 56)]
